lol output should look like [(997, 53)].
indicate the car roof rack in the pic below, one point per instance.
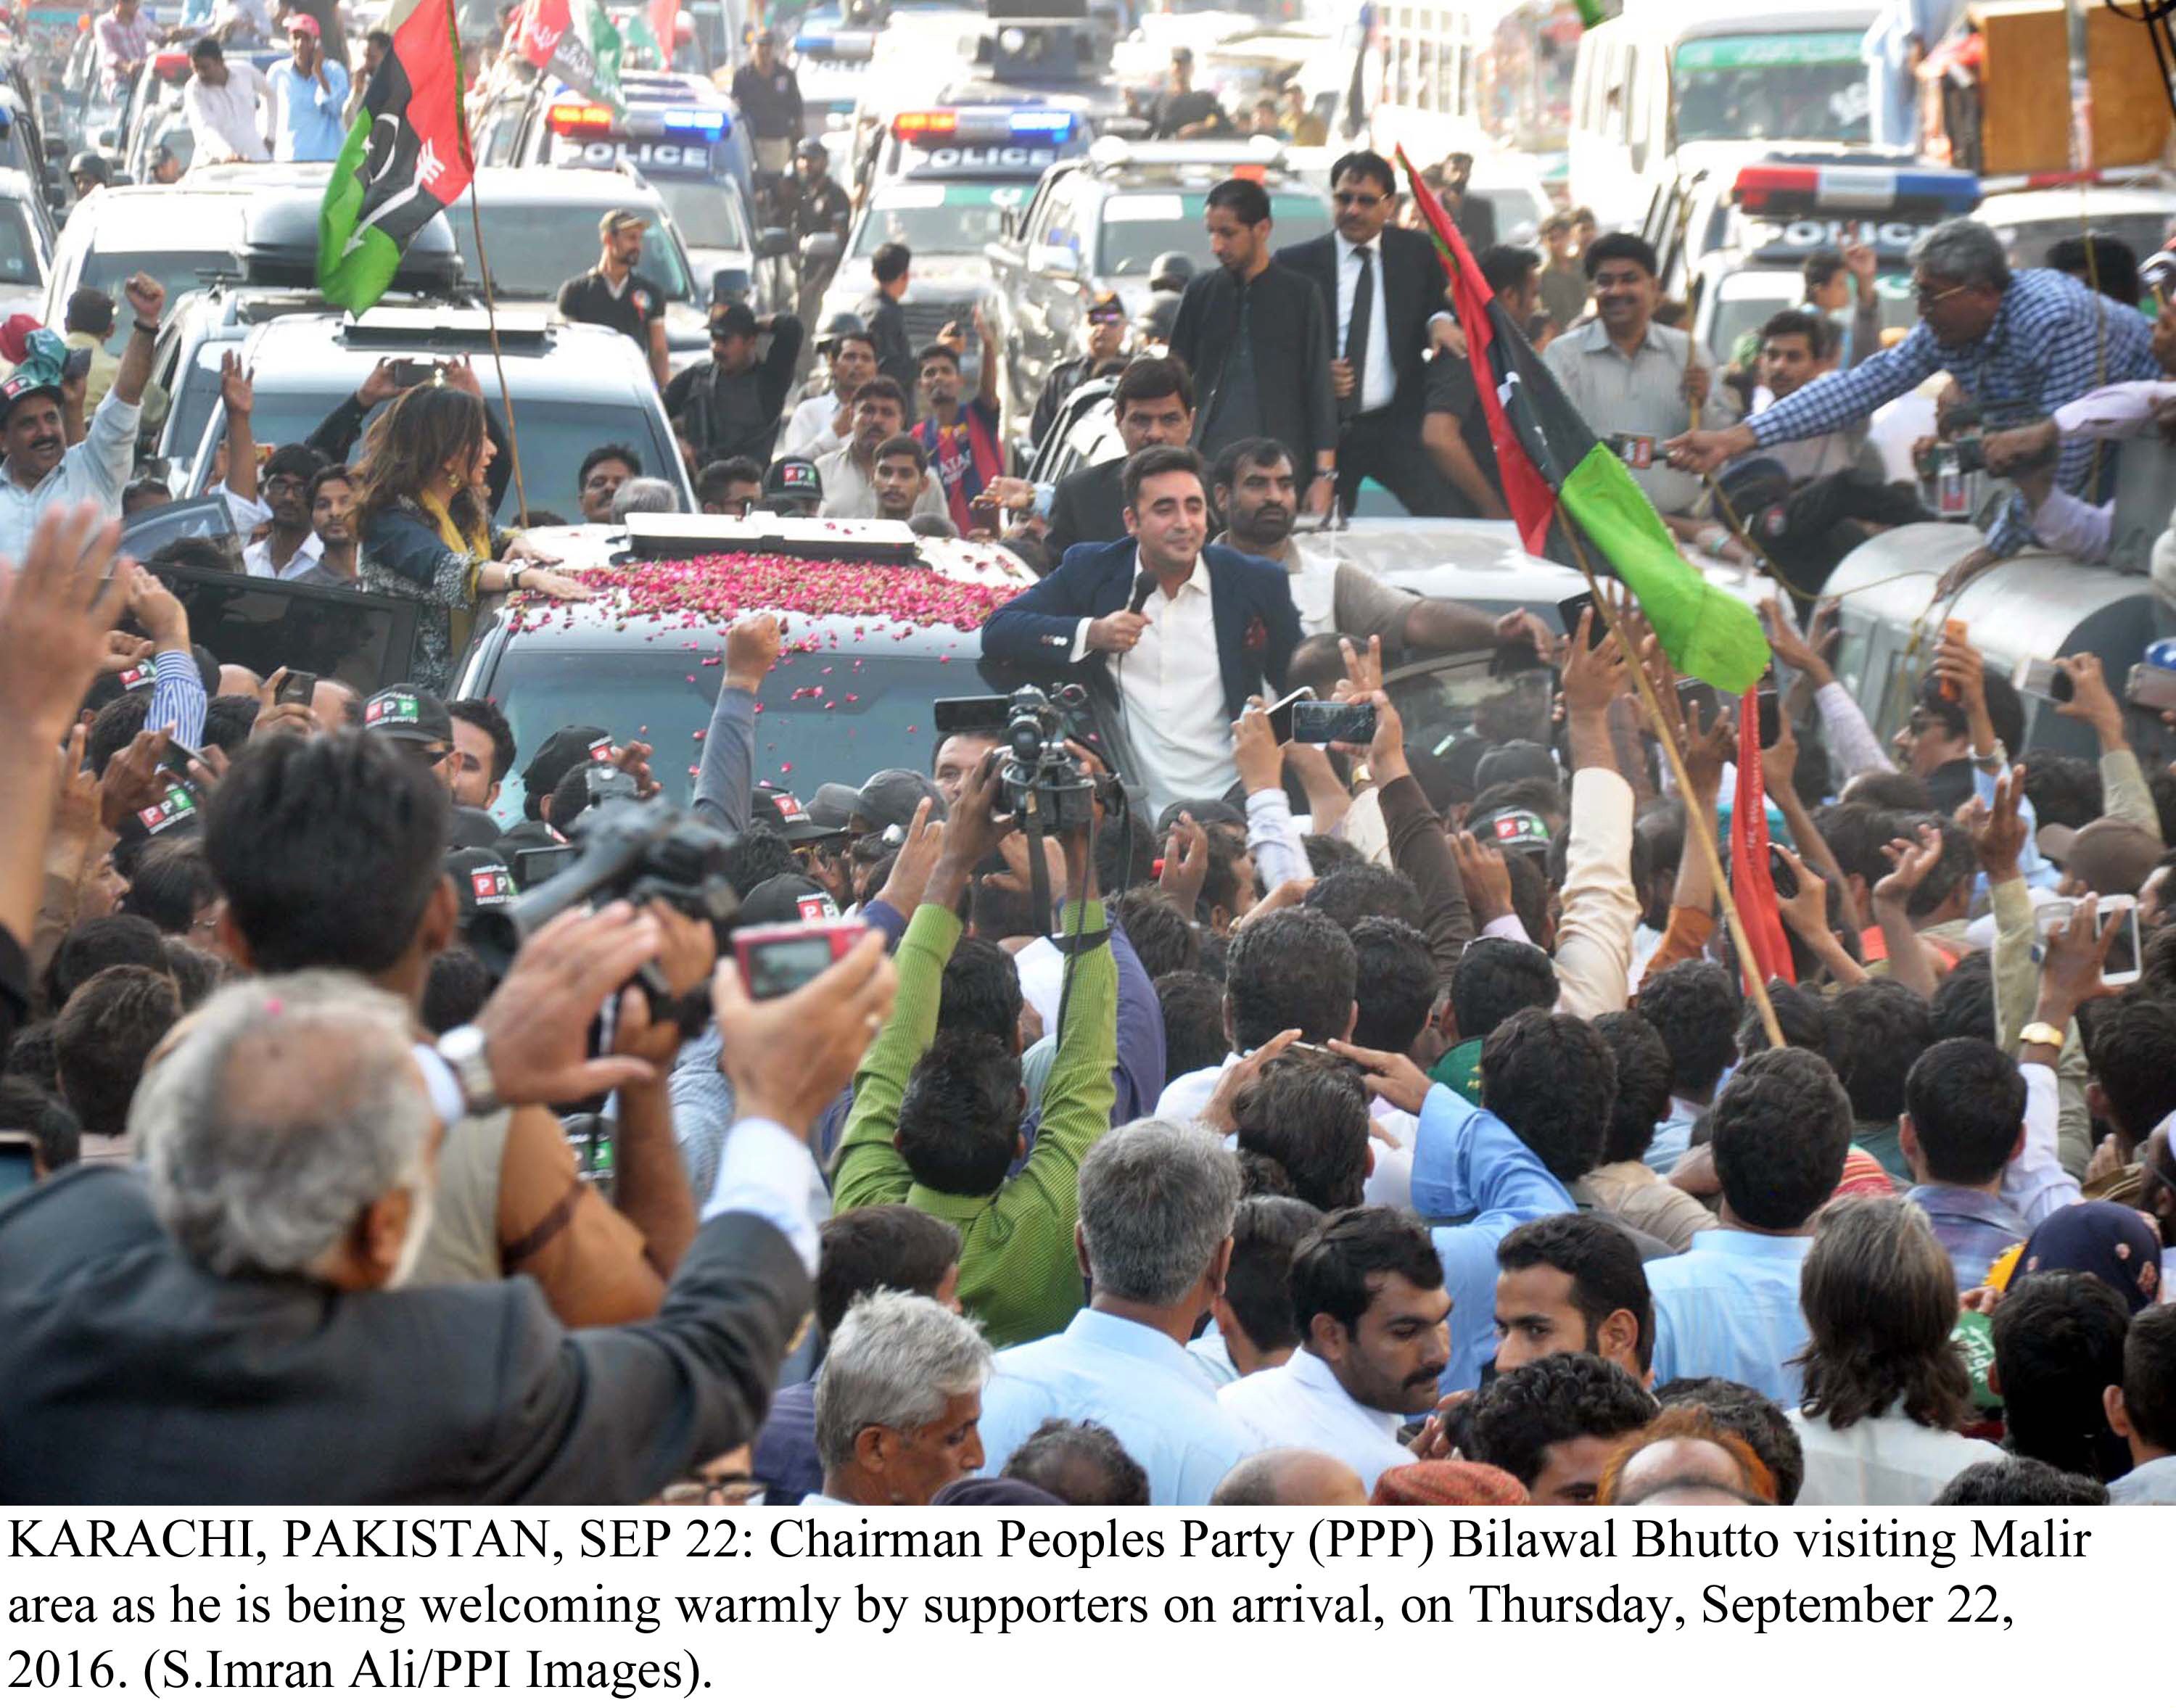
[(399, 328), (661, 533)]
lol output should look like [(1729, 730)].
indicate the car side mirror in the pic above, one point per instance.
[(1054, 261), (820, 248), (774, 240)]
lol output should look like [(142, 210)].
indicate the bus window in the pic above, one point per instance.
[(1801, 83)]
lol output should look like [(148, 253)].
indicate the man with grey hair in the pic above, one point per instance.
[(237, 1302), (1157, 1198), (1290, 1477), (2025, 342), (898, 1402), (643, 493)]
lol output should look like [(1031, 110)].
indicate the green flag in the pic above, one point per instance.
[(406, 159)]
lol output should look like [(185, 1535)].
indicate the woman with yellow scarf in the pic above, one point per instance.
[(426, 525)]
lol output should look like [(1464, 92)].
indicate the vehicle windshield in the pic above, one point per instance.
[(938, 218), (536, 247), (178, 270), (709, 217), (1452, 702), (556, 434), (19, 254), (196, 396), (1734, 88), (1137, 227), (2028, 240), (646, 694)]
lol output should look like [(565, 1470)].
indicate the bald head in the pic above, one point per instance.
[(1685, 1461), (1290, 1477)]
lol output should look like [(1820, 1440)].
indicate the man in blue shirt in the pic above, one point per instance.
[(309, 97), (1729, 1307), (1158, 1199), (2021, 344), (1964, 1120)]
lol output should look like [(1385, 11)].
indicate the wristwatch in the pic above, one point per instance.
[(1998, 760), (463, 1050), (2040, 1032)]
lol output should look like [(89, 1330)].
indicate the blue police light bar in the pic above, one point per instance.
[(709, 121), (1042, 123), (1781, 189)]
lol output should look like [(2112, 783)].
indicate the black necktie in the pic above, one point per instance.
[(1357, 328)]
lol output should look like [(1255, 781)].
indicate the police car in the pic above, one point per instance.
[(832, 56), (945, 181), (678, 131), (1735, 246), (1095, 225)]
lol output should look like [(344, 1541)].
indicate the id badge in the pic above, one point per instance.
[(1636, 450)]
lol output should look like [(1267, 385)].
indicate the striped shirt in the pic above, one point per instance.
[(2053, 341)]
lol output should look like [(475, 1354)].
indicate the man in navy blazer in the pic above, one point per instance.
[(1138, 618)]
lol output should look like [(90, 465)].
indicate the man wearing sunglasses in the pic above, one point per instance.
[(1382, 289), (2020, 344), (1103, 328), (729, 406)]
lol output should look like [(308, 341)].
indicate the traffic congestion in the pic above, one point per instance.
[(1525, 644)]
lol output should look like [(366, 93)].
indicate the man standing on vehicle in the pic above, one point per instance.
[(820, 208), (613, 294), (820, 425), (1182, 111), (1636, 383), (39, 468), (220, 102), (125, 35), (309, 96), (1103, 324), (768, 96), (729, 405), (961, 439), (1257, 341), (1383, 291), (889, 269), (2029, 342)]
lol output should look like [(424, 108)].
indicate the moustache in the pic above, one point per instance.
[(1273, 513), (46, 444)]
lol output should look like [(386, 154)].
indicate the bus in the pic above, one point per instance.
[(1664, 92)]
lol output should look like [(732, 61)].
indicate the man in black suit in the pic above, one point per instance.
[(1153, 402), (227, 1324), (1383, 289), (1257, 340), (1139, 618)]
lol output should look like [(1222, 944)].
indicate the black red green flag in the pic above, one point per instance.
[(406, 158), (1556, 476)]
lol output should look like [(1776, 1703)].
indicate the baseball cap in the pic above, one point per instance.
[(2110, 857), (782, 809), (732, 320), (303, 22), (19, 386), (832, 806), (1511, 762), (406, 712), (1207, 811), (794, 478), (889, 797), (563, 750), (620, 218), (480, 880), (1515, 826), (1107, 305), (470, 826), (786, 899)]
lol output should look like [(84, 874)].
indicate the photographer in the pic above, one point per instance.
[(2033, 340), (937, 1117)]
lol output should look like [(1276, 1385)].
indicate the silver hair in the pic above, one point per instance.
[(1964, 251), (1156, 1199), (288, 1107), (644, 493), (898, 1360)]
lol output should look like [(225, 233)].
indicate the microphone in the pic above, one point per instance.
[(1144, 584)]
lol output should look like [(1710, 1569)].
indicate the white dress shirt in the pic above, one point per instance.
[(809, 429), (225, 121), (1379, 374), (97, 470), (1888, 1460), (849, 494), (1300, 1403), (1173, 692), (1389, 1176), (257, 558)]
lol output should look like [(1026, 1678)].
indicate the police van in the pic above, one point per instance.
[(943, 181), (1666, 91), (678, 131), (1734, 245)]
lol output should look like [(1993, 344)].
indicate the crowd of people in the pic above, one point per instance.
[(1377, 1121)]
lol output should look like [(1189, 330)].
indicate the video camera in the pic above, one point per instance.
[(1962, 455), (626, 850), (1041, 778)]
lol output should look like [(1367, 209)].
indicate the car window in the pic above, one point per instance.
[(709, 217), (536, 247), (810, 733), (1138, 226), (19, 248), (937, 219), (178, 270), (1053, 219), (195, 395)]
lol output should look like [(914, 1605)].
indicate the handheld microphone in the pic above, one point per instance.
[(1144, 584)]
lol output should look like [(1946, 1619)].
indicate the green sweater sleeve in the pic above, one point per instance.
[(869, 1169), (1077, 1097)]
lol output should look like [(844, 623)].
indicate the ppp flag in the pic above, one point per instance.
[(406, 159), (1752, 885), (1558, 477), (576, 41)]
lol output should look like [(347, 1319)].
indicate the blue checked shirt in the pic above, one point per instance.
[(2053, 341)]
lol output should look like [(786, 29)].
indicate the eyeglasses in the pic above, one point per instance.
[(1356, 198), (285, 483), (1927, 298)]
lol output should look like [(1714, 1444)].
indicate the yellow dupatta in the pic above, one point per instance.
[(476, 548)]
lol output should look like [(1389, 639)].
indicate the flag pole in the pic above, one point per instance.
[(1696, 822), (498, 361)]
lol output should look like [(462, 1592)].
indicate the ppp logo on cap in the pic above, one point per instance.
[(600, 751), (820, 906), (492, 885), (390, 709)]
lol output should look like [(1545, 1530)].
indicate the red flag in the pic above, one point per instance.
[(543, 22), (663, 13), (1533, 505), (1752, 886)]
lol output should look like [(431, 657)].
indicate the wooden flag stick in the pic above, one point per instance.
[(1696, 821)]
